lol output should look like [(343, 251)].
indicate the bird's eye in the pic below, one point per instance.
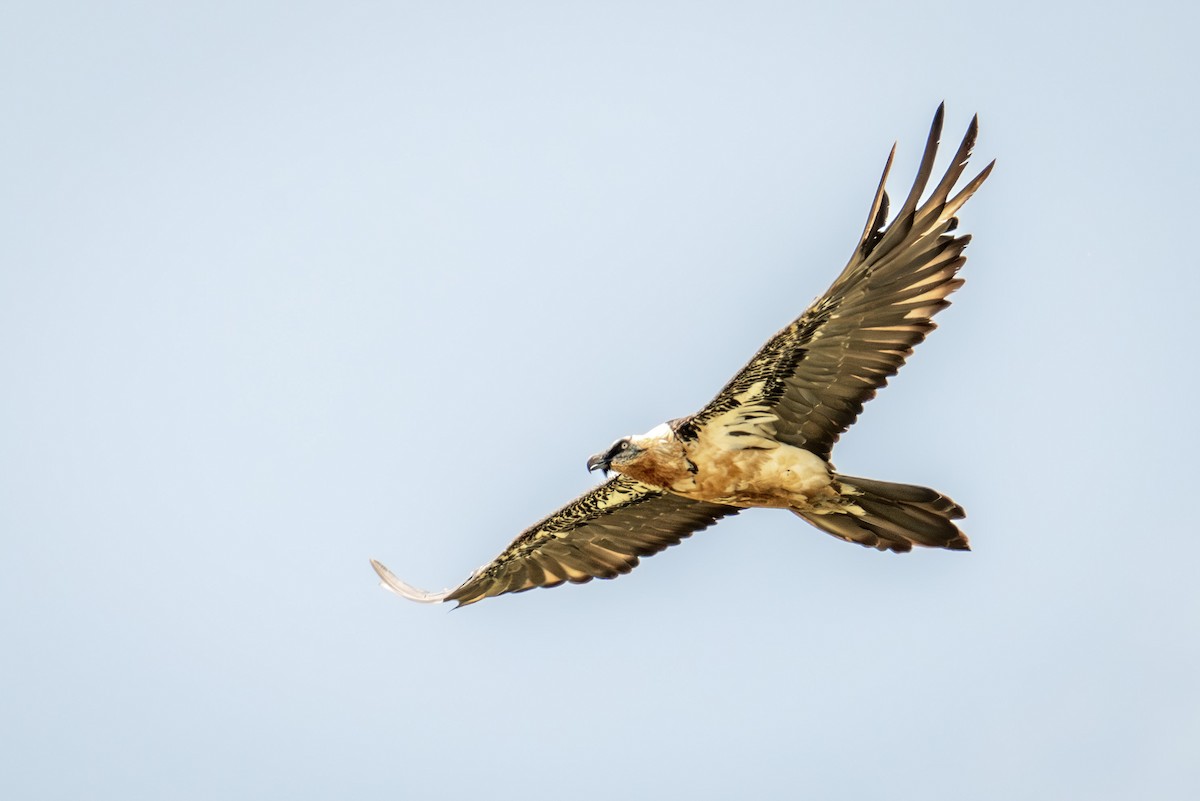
[(623, 445)]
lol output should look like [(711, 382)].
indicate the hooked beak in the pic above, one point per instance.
[(598, 462)]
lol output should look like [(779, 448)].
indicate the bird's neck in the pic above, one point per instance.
[(663, 461)]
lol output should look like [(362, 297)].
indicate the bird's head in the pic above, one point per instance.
[(621, 453), (638, 456)]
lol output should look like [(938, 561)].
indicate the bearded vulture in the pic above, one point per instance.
[(765, 439)]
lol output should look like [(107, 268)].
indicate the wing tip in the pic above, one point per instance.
[(391, 583)]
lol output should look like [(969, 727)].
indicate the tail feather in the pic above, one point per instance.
[(890, 517)]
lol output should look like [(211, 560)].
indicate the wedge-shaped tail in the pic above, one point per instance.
[(890, 517)]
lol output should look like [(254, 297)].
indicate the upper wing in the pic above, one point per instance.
[(810, 381), (600, 534)]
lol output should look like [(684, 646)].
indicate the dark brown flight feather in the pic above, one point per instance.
[(601, 534), (816, 374)]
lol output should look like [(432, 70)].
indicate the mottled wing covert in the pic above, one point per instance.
[(810, 381), (601, 534)]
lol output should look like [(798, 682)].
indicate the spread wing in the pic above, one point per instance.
[(600, 534), (810, 381)]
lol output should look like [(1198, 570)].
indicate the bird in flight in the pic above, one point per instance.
[(765, 440)]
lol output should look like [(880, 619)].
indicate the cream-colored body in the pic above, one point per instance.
[(730, 464)]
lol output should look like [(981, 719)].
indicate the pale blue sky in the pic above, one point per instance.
[(287, 286)]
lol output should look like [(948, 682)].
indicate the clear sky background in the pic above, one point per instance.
[(286, 286)]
